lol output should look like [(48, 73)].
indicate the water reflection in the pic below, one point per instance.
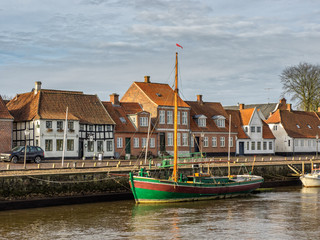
[(289, 213)]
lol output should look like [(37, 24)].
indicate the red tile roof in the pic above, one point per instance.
[(117, 112), (4, 113), (308, 123), (52, 104), (237, 122), (246, 115), (160, 94), (266, 131), (208, 109)]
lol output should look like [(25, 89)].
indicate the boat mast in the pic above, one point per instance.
[(175, 154)]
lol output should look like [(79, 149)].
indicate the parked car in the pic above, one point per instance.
[(34, 153)]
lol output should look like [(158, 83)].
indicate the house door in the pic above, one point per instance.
[(128, 146), (80, 149), (241, 148), (197, 144), (162, 142)]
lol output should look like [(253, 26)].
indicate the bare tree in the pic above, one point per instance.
[(6, 97), (302, 82)]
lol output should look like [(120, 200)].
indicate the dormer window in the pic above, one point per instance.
[(298, 126), (201, 120), (220, 121), (143, 121), (123, 120), (309, 126)]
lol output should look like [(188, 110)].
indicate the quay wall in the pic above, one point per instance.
[(61, 188)]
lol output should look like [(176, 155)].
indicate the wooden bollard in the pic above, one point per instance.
[(306, 158), (271, 159), (285, 158), (119, 163), (292, 158), (246, 160), (38, 166), (299, 158), (107, 164), (83, 164), (68, 165), (234, 162), (262, 159), (313, 157), (53, 165), (8, 166), (130, 163), (141, 162), (95, 164)]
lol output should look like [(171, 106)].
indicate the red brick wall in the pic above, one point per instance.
[(5, 135)]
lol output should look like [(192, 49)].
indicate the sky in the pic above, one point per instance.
[(233, 51)]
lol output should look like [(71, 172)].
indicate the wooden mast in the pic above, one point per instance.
[(176, 92)]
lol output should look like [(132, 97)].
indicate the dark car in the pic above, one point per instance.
[(35, 154)]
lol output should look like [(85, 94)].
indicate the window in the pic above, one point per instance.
[(265, 145), (270, 145), (298, 126), (90, 146), (202, 122), (169, 117), (258, 145), (109, 128), (231, 141), (59, 125), (214, 142), (90, 128), (309, 126), (309, 143), (119, 142), (253, 129), (100, 146), (48, 145), (178, 117), (109, 146), (184, 139), (302, 142), (48, 124), (70, 125), (253, 145), (220, 123), (246, 129), (184, 118), (143, 121), (296, 143), (136, 142), (192, 141), (123, 120), (248, 146), (179, 139), (222, 142), (258, 129), (81, 127), (288, 143), (275, 127), (100, 128), (143, 142), (59, 145), (162, 117), (205, 142), (152, 143), (170, 139), (70, 145)]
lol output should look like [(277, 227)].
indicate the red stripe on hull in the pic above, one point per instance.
[(216, 189)]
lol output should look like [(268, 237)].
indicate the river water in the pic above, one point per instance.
[(287, 213)]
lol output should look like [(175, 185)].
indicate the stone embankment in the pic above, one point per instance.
[(53, 186)]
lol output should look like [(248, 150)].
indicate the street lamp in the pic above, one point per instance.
[(26, 133), (317, 138)]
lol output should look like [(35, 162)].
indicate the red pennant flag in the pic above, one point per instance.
[(179, 45)]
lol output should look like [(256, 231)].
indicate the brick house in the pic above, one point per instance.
[(254, 136), (90, 128), (6, 124), (295, 131), (131, 129), (158, 100), (209, 125)]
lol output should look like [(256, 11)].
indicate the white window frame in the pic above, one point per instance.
[(184, 139), (119, 142), (179, 139), (162, 117), (214, 141), (169, 117), (136, 142), (222, 142), (170, 139), (231, 141), (143, 121), (143, 142), (152, 143), (206, 142), (184, 118)]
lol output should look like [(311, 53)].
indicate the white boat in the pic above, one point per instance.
[(311, 179)]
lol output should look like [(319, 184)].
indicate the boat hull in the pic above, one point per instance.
[(151, 190), (310, 180)]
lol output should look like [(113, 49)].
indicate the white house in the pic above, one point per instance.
[(254, 136), (295, 131), (42, 113)]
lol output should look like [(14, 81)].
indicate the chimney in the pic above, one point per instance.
[(283, 104), (289, 107), (199, 99), (147, 79), (114, 98), (37, 87), (241, 106)]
